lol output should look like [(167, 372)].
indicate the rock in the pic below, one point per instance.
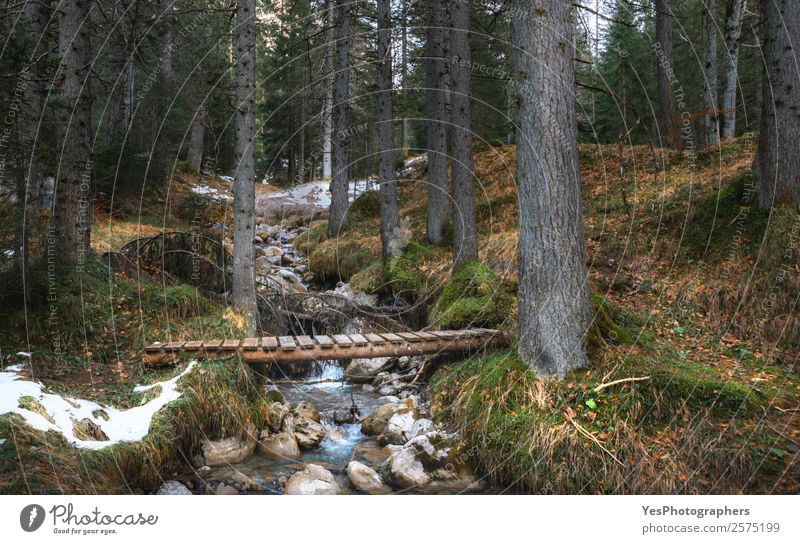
[(387, 390), (335, 434), (279, 446), (276, 413), (398, 428), (363, 370), (245, 481), (344, 416), (173, 487), (375, 423), (198, 461), (258, 239), (272, 251), (227, 451), (308, 432), (404, 470), (273, 394), (390, 399), (225, 489), (306, 409), (312, 480), (204, 471), (420, 427), (365, 479)]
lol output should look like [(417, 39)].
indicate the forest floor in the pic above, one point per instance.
[(695, 293)]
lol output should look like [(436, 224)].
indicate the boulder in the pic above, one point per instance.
[(364, 370), (398, 428), (420, 427), (272, 251), (404, 470), (365, 479), (279, 446), (312, 480), (225, 489), (306, 409), (308, 432), (231, 450), (173, 487), (375, 423)]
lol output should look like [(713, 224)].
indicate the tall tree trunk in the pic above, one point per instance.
[(668, 121), (197, 140), (404, 77), (438, 185), (120, 108), (341, 138), (244, 280), (73, 203), (391, 239), (710, 124), (730, 60), (161, 144), (778, 158), (327, 111), (553, 290), (465, 244)]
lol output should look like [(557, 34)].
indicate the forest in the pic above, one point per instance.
[(399, 246)]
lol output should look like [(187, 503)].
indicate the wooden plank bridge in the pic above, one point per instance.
[(327, 347)]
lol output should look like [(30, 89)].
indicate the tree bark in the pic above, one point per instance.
[(391, 239), (553, 290), (73, 202), (404, 77), (669, 131), (120, 101), (327, 112), (465, 244), (730, 60), (438, 184), (710, 123), (341, 136), (161, 141), (244, 281), (778, 159)]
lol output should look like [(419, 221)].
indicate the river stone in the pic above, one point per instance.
[(306, 409), (308, 432), (172, 487), (363, 370), (279, 446), (272, 251), (398, 428), (231, 450), (375, 423), (404, 470), (365, 479), (225, 489), (312, 480)]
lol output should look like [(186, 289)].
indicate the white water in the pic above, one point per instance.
[(122, 425)]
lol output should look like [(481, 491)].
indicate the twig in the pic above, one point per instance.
[(623, 380), (594, 439)]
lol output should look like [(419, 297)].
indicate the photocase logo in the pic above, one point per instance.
[(31, 517)]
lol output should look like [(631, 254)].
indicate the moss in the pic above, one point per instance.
[(314, 236), (404, 274), (184, 301), (609, 326), (339, 260), (369, 280), (366, 206), (473, 297)]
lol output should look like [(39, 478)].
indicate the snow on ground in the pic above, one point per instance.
[(315, 193), (122, 425), (211, 192)]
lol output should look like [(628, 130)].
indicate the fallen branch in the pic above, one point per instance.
[(616, 382), (594, 439), (301, 382)]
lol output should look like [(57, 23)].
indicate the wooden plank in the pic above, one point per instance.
[(173, 346), (154, 347), (373, 338), (193, 345), (287, 343), (305, 342), (358, 339), (230, 345), (212, 345), (269, 343), (410, 336), (250, 344), (392, 337), (342, 340), (325, 341), (428, 337)]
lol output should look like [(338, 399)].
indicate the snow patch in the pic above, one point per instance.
[(122, 425), (316, 193)]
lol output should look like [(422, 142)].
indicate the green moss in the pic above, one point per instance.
[(185, 301), (369, 280), (314, 236), (609, 326), (366, 206), (339, 260), (473, 297), (404, 274)]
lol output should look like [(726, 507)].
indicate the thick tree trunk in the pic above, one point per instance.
[(341, 138), (161, 144), (668, 121), (391, 239), (710, 124), (553, 291), (244, 280), (730, 61), (73, 203), (404, 77), (120, 109), (439, 209), (327, 108), (778, 158), (197, 140), (465, 243)]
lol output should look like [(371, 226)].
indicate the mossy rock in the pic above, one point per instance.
[(474, 297), (367, 205), (339, 260), (609, 326), (404, 274), (369, 280)]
